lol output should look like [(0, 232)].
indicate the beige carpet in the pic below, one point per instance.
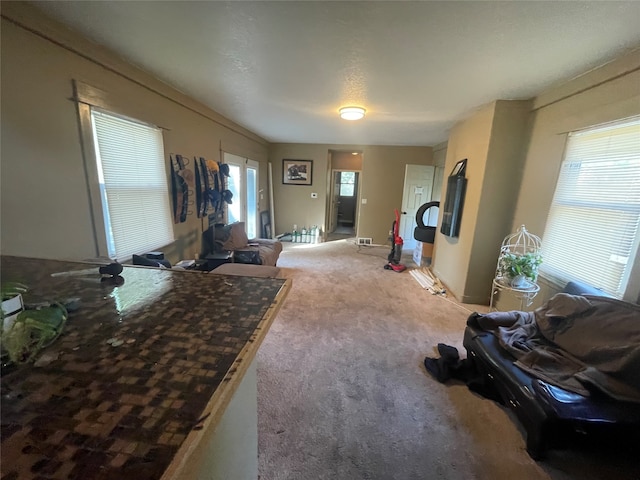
[(343, 393)]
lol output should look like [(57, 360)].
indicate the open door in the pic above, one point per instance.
[(418, 184), (243, 184), (252, 203), (335, 201), (344, 204), (343, 185)]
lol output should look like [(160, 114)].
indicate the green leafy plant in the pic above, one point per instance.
[(33, 329), (514, 264)]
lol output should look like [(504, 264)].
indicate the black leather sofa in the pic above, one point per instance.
[(551, 416)]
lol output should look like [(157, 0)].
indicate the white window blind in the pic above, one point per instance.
[(133, 185), (591, 232)]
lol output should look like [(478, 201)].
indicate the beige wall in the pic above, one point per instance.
[(293, 203), (381, 185), (440, 154), (603, 95), (492, 140), (515, 151), (45, 202), (468, 139), (499, 190), (346, 161)]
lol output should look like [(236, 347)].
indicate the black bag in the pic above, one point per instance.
[(247, 256)]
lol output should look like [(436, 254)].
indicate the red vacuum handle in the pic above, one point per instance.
[(397, 239)]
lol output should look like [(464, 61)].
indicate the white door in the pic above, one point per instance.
[(243, 183), (252, 204), (235, 184), (418, 183)]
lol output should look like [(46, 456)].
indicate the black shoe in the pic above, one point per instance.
[(448, 352)]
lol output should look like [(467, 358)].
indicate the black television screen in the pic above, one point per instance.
[(454, 200)]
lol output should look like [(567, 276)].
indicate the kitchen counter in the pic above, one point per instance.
[(140, 377)]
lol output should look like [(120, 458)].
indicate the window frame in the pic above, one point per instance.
[(86, 97), (352, 184), (584, 159)]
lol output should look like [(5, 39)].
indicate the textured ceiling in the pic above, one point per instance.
[(282, 69)]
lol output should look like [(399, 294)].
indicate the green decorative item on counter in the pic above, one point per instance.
[(31, 330), (11, 293)]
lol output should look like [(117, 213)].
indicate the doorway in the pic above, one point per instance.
[(345, 195), (243, 184), (345, 177), (418, 187)]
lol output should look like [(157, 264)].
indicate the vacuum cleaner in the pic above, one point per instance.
[(396, 247)]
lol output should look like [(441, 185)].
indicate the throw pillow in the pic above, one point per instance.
[(214, 238), (222, 234), (247, 256), (237, 238)]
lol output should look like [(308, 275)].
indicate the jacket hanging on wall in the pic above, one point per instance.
[(205, 185), (179, 190)]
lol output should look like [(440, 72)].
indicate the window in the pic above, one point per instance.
[(347, 184), (133, 185), (591, 233)]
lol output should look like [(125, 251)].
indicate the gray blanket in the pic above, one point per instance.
[(576, 343)]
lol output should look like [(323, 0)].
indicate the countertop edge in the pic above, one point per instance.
[(222, 397)]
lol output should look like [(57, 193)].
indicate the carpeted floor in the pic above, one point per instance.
[(343, 393)]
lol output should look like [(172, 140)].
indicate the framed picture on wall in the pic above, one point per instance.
[(459, 169), (297, 172)]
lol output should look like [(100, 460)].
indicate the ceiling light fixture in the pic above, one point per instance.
[(352, 113)]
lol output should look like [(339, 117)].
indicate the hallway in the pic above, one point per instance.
[(340, 233)]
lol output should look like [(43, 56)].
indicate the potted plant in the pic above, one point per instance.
[(520, 270)]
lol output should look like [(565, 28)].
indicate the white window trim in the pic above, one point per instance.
[(87, 96), (133, 183)]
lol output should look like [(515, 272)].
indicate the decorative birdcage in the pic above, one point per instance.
[(519, 260)]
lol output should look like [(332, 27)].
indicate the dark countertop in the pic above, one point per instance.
[(135, 369)]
